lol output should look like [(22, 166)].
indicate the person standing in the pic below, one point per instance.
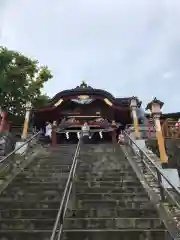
[(48, 131), (121, 138), (85, 132)]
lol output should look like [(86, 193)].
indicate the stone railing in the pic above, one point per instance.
[(170, 129), (172, 146), (7, 143)]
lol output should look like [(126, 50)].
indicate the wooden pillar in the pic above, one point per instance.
[(3, 122)]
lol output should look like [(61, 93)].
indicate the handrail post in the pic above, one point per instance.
[(160, 186)]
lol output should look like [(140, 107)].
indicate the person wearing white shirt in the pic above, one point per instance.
[(177, 125), (85, 132), (121, 138), (48, 132)]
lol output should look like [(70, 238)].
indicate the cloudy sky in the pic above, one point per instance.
[(127, 47)]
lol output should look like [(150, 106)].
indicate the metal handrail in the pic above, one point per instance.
[(9, 168), (58, 226), (5, 162), (22, 145), (159, 173)]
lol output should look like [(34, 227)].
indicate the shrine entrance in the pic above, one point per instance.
[(71, 108)]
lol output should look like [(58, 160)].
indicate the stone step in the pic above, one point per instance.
[(82, 223), (29, 204), (28, 213), (92, 234), (46, 173), (95, 203), (43, 175), (59, 167), (92, 213), (49, 164), (36, 186), (63, 175), (81, 174), (110, 203), (79, 183), (105, 163), (113, 223), (59, 159), (28, 224), (108, 178), (120, 173), (81, 171), (58, 178), (109, 184), (41, 169), (56, 195), (25, 234), (46, 166), (28, 196), (65, 158), (88, 168), (119, 234), (96, 163), (137, 212), (118, 196), (59, 186), (104, 189)]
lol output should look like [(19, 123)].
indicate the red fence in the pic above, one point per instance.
[(169, 129)]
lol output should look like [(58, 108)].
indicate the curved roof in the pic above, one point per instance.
[(84, 89)]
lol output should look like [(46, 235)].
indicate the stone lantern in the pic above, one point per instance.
[(155, 109), (28, 108), (134, 103)]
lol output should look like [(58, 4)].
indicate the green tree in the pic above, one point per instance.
[(21, 80), (41, 101)]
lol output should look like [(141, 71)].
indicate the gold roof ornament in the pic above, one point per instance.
[(83, 84)]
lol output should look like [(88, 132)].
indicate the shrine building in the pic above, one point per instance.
[(84, 103)]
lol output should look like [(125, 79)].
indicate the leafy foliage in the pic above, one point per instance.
[(21, 80)]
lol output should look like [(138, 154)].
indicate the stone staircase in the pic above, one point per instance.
[(108, 201), (29, 205)]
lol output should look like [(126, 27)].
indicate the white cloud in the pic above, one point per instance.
[(127, 47)]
